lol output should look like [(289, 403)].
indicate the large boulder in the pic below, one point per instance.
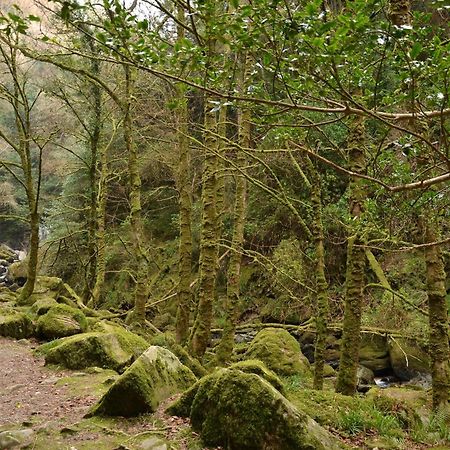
[(154, 376), (242, 411), (7, 253), (115, 350), (7, 296), (279, 351), (374, 352), (408, 358), (55, 288), (61, 321), (15, 324)]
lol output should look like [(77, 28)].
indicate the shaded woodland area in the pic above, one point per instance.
[(232, 217)]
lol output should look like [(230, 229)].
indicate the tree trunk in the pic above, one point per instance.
[(322, 307), (226, 344), (185, 205), (137, 229), (356, 262), (208, 242), (185, 246), (438, 316)]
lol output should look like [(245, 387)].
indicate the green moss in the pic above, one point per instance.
[(114, 350), (154, 376), (167, 341), (243, 411), (258, 368), (405, 404), (43, 305), (279, 351), (16, 324), (61, 321)]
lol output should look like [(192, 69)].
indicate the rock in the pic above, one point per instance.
[(15, 438), (365, 378), (154, 376), (42, 305), (61, 321), (408, 359), (55, 288), (113, 350), (257, 367), (409, 406), (153, 443), (18, 270), (279, 351), (242, 411), (167, 341), (6, 252), (374, 352), (6, 295), (15, 324)]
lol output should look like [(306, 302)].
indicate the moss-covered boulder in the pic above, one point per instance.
[(6, 253), (154, 376), (242, 411), (6, 295), (257, 367), (43, 305), (61, 321), (408, 358), (409, 406), (113, 350), (279, 351), (18, 270), (167, 341), (15, 324), (374, 352), (55, 288)]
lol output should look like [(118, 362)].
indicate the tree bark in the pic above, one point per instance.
[(356, 262), (208, 242)]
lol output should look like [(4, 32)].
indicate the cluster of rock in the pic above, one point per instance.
[(382, 356), (9, 260), (241, 407)]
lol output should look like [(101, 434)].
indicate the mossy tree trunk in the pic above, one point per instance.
[(356, 262), (94, 130), (322, 307), (208, 241), (137, 229), (102, 168), (438, 316), (185, 205), (400, 14), (21, 143), (226, 344)]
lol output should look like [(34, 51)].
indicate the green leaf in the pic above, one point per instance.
[(415, 50)]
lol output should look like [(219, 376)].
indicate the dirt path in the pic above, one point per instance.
[(29, 391), (49, 405)]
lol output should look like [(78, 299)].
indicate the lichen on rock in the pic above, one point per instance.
[(154, 376), (279, 351)]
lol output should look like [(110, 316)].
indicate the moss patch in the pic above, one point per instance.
[(258, 368), (279, 351), (243, 411), (114, 350), (167, 341), (154, 376), (61, 321), (15, 324)]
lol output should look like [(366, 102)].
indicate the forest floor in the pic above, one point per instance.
[(43, 407)]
